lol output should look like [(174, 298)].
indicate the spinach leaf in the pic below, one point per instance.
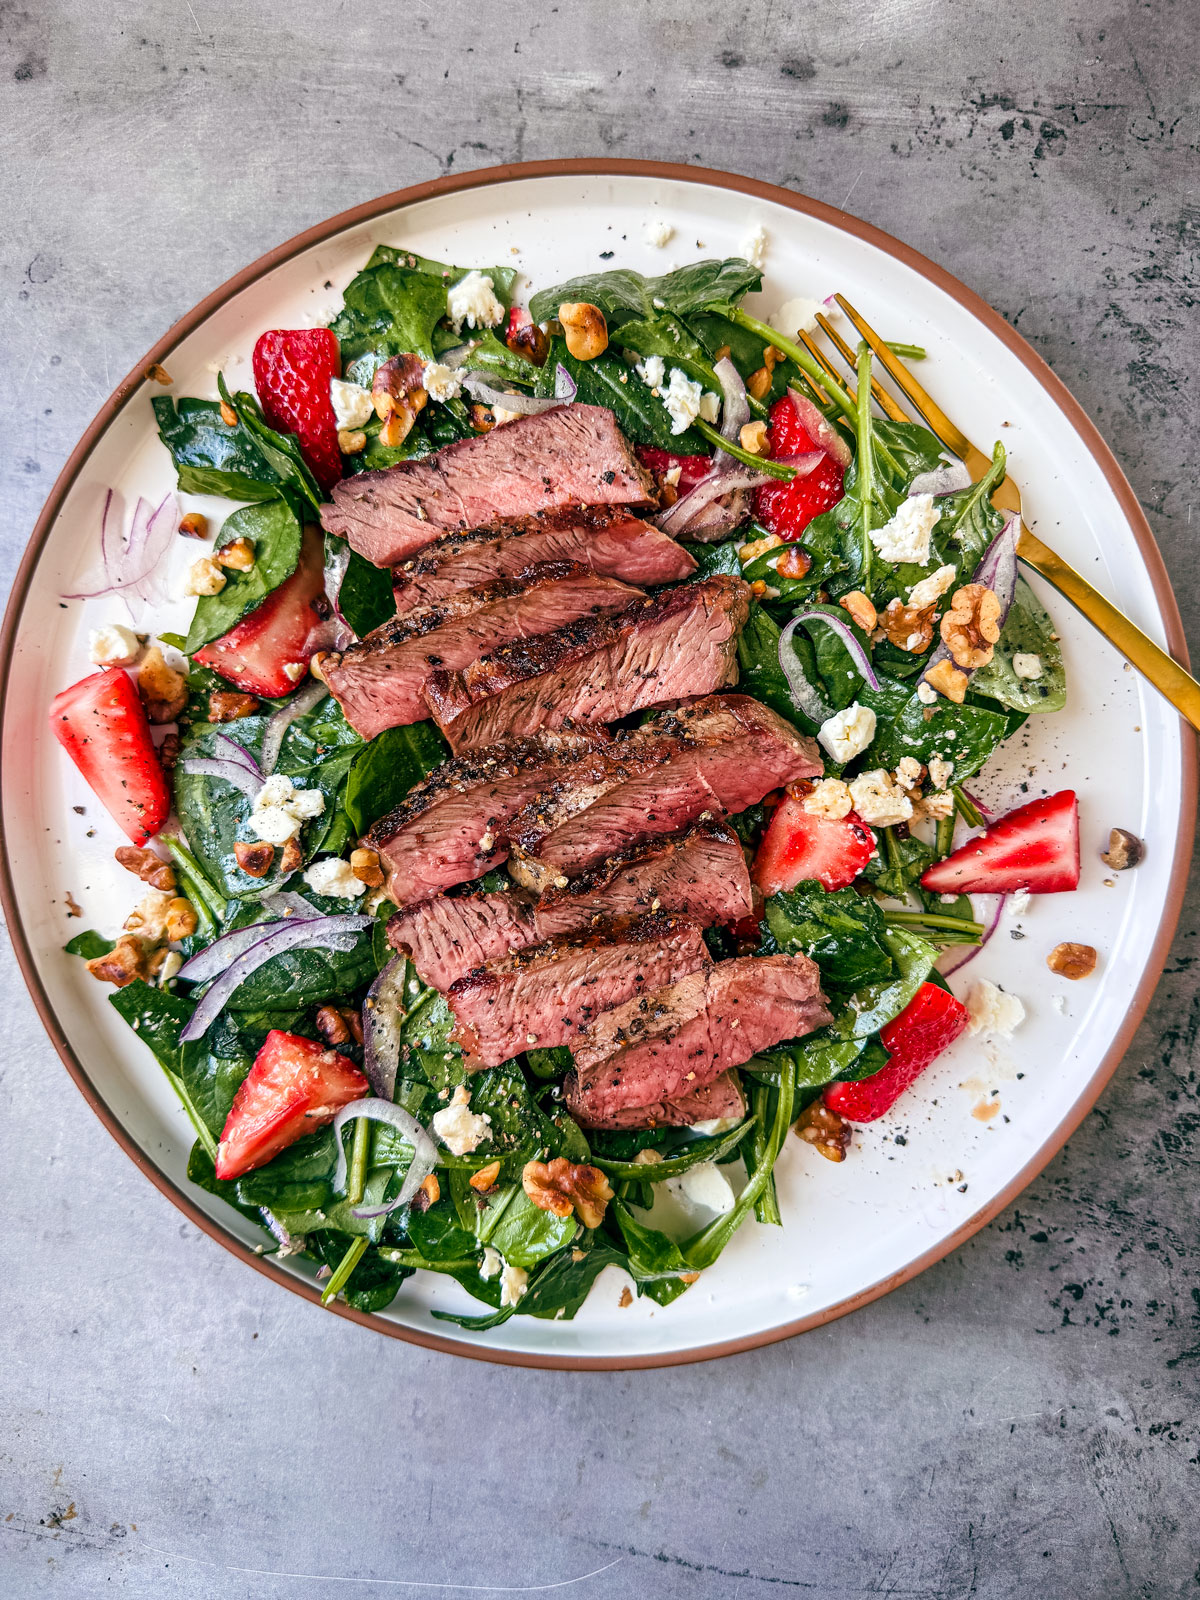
[(212, 1080), (490, 354), (425, 1047), (158, 1018), (281, 451), (623, 294), (713, 1147), (667, 337), (758, 665), (306, 977), (711, 559), (387, 768), (873, 1006), (89, 945), (273, 530), (210, 457), (565, 1281), (503, 278), (652, 1256), (203, 1174), (903, 450), (964, 734), (1027, 630), (844, 933), (607, 381), (834, 663), (388, 310), (746, 351), (525, 1234), (365, 598), (898, 862), (375, 1280)]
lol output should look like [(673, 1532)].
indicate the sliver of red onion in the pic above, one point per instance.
[(952, 960)]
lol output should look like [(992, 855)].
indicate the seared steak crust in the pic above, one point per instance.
[(722, 1097)]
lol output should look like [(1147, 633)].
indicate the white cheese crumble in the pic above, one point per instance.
[(906, 536), (926, 693), (472, 300), (800, 315), (930, 590), (652, 371), (333, 877), (352, 405), (908, 770), (1018, 903), (754, 246), (458, 1127), (513, 1283), (712, 1125), (682, 399), (441, 382), (710, 406), (279, 808), (658, 233), (878, 801), (848, 733), (492, 1264), (1027, 666), (703, 1185), (273, 825), (831, 798), (113, 645), (940, 772), (992, 1011), (938, 805)]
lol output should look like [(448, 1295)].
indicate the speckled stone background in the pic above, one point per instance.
[(1021, 1420)]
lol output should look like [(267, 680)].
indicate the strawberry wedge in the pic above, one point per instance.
[(798, 845), (101, 724), (265, 653), (796, 428), (294, 1087), (293, 369), (929, 1024), (1035, 847)]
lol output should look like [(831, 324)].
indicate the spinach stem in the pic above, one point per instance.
[(773, 469), (360, 1152), (798, 354), (944, 842), (967, 808), (205, 897), (865, 464), (933, 919), (907, 352), (766, 1207), (202, 1133), (341, 1273)]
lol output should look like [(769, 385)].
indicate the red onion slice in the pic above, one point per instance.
[(676, 518), (383, 1013), (128, 563), (230, 771), (565, 387), (223, 952), (820, 430), (231, 750), (286, 903), (529, 405), (997, 571), (313, 692), (149, 540), (952, 961), (947, 479), (805, 697), (845, 633), (735, 408), (329, 933), (406, 1125)]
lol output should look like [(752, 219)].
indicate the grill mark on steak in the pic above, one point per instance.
[(572, 455), (673, 646), (722, 1097), (380, 681)]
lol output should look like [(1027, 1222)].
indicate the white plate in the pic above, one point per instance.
[(897, 1203)]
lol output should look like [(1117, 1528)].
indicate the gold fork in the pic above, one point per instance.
[(1168, 677)]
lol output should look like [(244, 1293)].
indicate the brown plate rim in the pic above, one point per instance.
[(979, 308)]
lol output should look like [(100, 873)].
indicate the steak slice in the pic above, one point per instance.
[(678, 644), (717, 756), (542, 997), (658, 1046), (721, 1098), (570, 456), (607, 539), (449, 828), (380, 682), (701, 875)]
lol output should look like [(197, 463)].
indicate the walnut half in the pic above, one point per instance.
[(971, 626), (561, 1186), (1072, 961)]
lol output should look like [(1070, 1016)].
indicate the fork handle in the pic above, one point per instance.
[(1166, 674)]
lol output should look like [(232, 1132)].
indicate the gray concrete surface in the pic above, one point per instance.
[(1022, 1419)]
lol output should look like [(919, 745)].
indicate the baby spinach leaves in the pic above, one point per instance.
[(607, 381), (1029, 631), (965, 735), (840, 930), (623, 294), (281, 451), (387, 768), (211, 457), (89, 945), (365, 598), (273, 530)]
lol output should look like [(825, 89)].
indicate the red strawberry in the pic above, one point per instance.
[(798, 845), (101, 724), (1035, 847), (660, 462), (292, 372), (929, 1024), (518, 317), (294, 1087), (788, 508), (258, 652)]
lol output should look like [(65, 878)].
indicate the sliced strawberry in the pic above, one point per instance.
[(929, 1024), (292, 373), (1035, 847), (518, 317), (258, 652), (294, 1087), (788, 508), (798, 845), (101, 724), (660, 462)]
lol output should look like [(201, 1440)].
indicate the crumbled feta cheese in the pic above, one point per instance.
[(441, 382), (908, 770), (992, 1011), (754, 246), (658, 233), (513, 1283), (203, 577), (113, 645), (682, 400), (1027, 666), (273, 825), (848, 733), (931, 589), (926, 693), (906, 536), (940, 772), (279, 808), (501, 415), (472, 300), (277, 790), (458, 1127), (878, 801), (831, 798), (306, 804), (703, 1185), (1019, 902), (333, 877), (710, 1126), (937, 806), (652, 371), (352, 405), (710, 406), (798, 315), (172, 962), (492, 1264)]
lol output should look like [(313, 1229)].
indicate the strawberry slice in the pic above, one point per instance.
[(929, 1024), (294, 1087), (795, 429), (660, 462), (265, 652), (102, 725), (1035, 847), (798, 845), (292, 373)]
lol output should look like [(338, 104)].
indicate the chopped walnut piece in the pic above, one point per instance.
[(228, 705), (351, 441), (254, 856), (124, 963), (828, 1133), (398, 394), (562, 1186), (529, 341), (753, 438), (339, 1024), (483, 1180), (151, 869), (148, 918), (238, 555), (168, 751), (292, 858), (74, 909), (860, 608), (228, 415), (431, 1188), (181, 919), (1072, 961), (971, 626), (793, 563), (1125, 850), (945, 677), (364, 864), (194, 525), (626, 1298), (163, 690), (758, 383), (157, 373), (907, 627)]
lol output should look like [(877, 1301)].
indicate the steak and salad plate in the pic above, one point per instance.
[(542, 826)]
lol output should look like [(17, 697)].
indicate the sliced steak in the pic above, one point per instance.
[(701, 875), (658, 1046), (571, 456), (722, 1097), (678, 644), (607, 539), (717, 756), (380, 682), (450, 828), (540, 998)]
